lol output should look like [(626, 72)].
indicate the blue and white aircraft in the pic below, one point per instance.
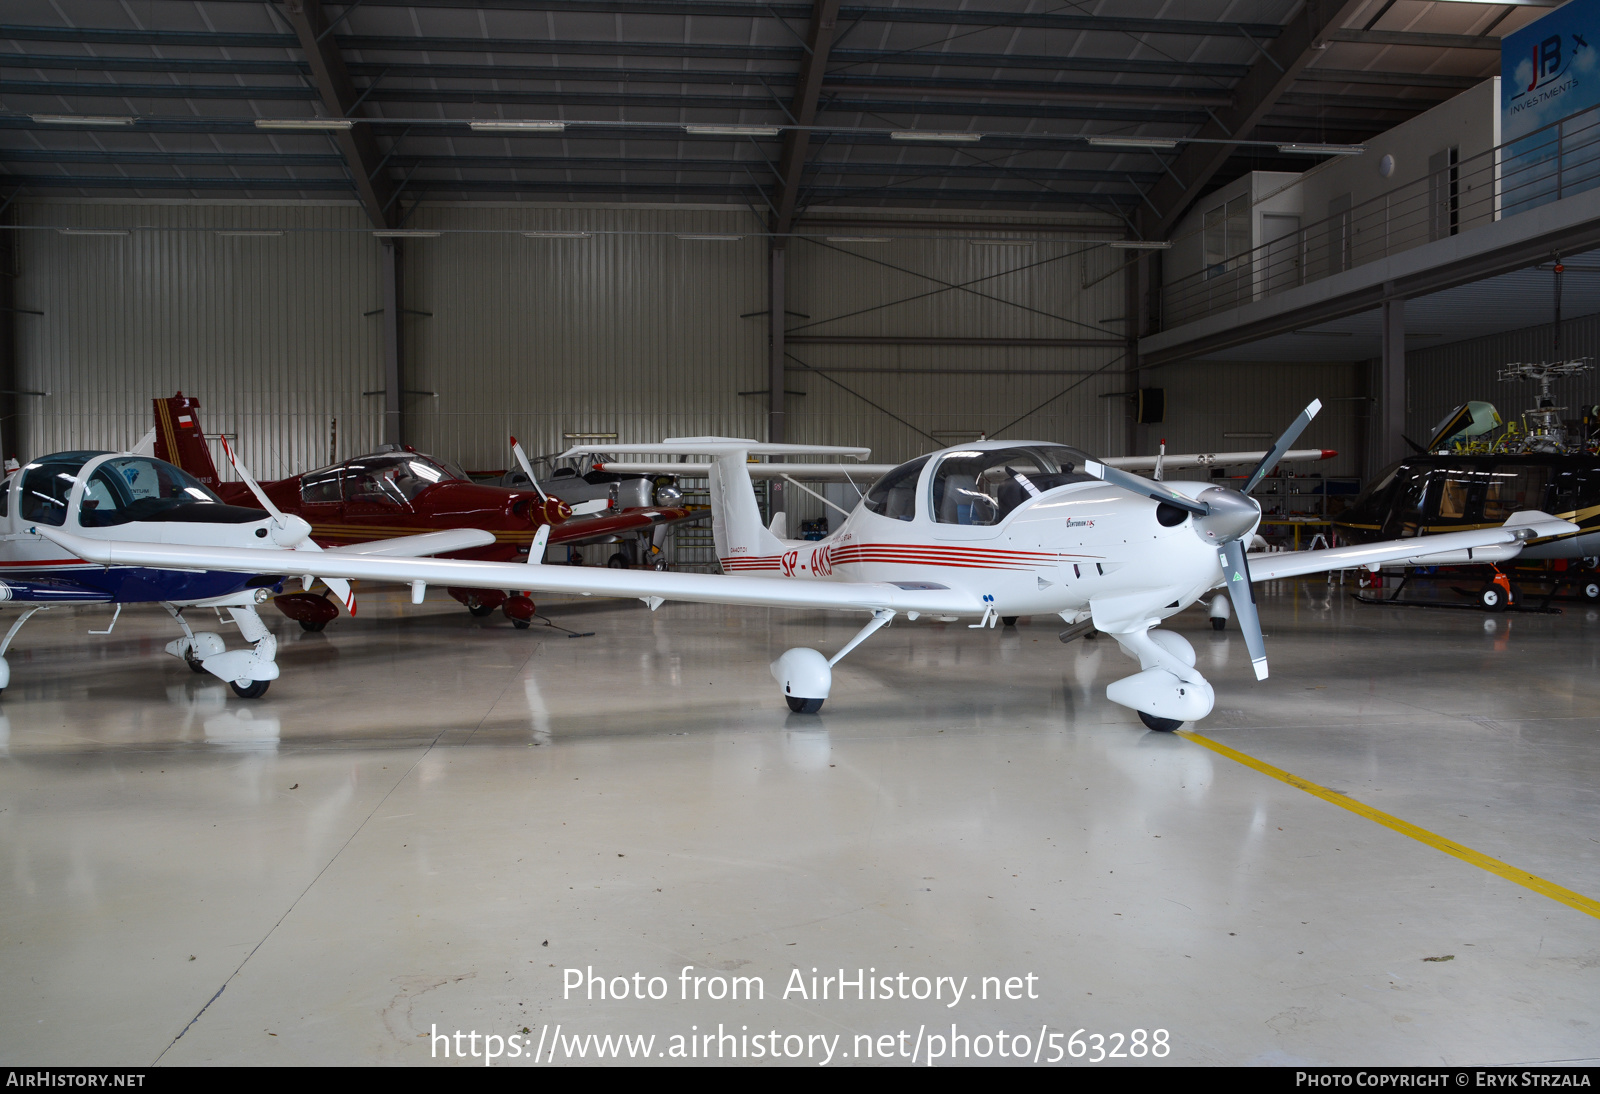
[(134, 497)]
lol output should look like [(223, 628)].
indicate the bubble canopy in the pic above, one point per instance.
[(978, 485)]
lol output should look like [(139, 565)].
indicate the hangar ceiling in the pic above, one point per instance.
[(182, 87)]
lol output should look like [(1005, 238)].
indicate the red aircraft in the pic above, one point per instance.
[(398, 491)]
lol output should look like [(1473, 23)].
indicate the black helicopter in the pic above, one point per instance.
[(1460, 480)]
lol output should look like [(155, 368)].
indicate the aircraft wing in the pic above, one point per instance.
[(427, 543), (585, 580), (587, 529), (1479, 545), (1182, 462)]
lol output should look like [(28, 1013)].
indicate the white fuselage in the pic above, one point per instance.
[(1054, 553)]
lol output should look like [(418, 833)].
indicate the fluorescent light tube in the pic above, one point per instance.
[(404, 233), (82, 119), (93, 231), (229, 233), (1139, 245), (304, 123), (700, 235), (557, 235), (1133, 142), (1323, 149), (733, 130), (931, 135), (519, 125)]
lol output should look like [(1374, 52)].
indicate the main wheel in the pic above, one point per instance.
[(521, 624), (1160, 725), (1590, 591), (803, 706), (1218, 623), (308, 625), (618, 561), (1492, 597), (193, 662), (480, 610), (1009, 620), (253, 690)]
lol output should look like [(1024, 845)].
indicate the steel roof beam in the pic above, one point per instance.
[(340, 98), (785, 55), (1281, 63)]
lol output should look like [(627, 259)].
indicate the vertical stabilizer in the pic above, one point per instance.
[(735, 515), (179, 439)]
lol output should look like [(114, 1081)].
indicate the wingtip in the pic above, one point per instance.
[(1329, 453)]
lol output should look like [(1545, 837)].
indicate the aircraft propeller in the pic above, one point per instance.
[(555, 510), (1222, 516), (290, 531)]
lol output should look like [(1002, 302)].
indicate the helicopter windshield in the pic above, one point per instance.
[(983, 487), (130, 488)]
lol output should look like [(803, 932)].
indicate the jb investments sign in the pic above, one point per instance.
[(1549, 88)]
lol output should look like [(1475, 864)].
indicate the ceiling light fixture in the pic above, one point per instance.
[(82, 119), (733, 130), (93, 231), (304, 123), (229, 233), (518, 126), (557, 235), (1133, 142), (932, 135), (1140, 245), (405, 233), (708, 236), (1323, 149), (1001, 242)]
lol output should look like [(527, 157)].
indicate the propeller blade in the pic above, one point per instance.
[(249, 480), (527, 468), (337, 585), (1290, 435), (1135, 484), (1236, 574)]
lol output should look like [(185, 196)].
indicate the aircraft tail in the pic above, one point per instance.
[(735, 516), (179, 440)]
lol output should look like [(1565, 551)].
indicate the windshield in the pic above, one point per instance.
[(47, 482), (132, 488), (396, 477), (895, 495), (983, 487)]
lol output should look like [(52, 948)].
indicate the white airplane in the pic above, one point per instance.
[(101, 497), (979, 531)]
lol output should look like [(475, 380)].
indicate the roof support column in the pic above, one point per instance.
[(394, 429), (10, 404), (1389, 419), (777, 316)]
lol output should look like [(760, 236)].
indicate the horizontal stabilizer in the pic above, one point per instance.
[(718, 446)]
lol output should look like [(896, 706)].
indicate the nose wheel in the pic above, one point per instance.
[(1160, 725), (803, 706)]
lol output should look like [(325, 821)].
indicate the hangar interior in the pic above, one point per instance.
[(901, 226)]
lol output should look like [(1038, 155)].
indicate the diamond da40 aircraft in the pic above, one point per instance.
[(978, 532)]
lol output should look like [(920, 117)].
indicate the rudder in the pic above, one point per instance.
[(179, 439)]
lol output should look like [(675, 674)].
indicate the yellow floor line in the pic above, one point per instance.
[(1587, 905)]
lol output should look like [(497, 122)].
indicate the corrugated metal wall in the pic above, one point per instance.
[(268, 332), (1440, 379), (642, 334), (1206, 400)]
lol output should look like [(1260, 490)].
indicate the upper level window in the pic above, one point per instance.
[(983, 487), (1226, 234), (131, 488), (895, 495)]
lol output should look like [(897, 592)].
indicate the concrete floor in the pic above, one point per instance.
[(430, 817)]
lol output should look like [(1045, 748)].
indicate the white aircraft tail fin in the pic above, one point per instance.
[(735, 517), (779, 524)]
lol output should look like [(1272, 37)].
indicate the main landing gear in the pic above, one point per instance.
[(247, 671), (807, 676), (5, 666), (1167, 691)]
